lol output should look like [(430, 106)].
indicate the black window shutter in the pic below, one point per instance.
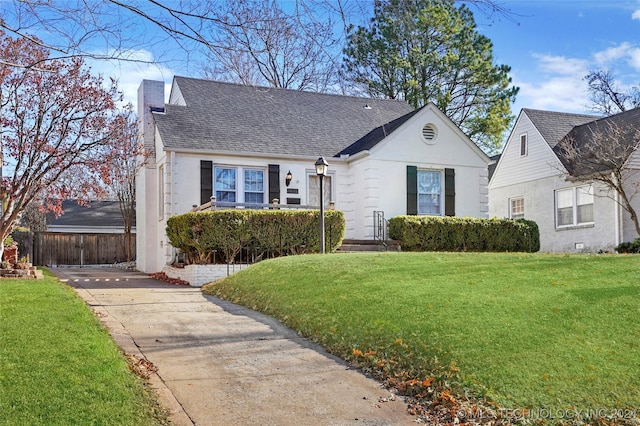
[(274, 182), (449, 192), (412, 190), (206, 181)]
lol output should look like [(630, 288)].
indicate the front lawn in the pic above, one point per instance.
[(58, 366), (551, 332)]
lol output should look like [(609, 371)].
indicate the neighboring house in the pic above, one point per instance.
[(83, 235), (531, 181), (239, 143), (98, 217)]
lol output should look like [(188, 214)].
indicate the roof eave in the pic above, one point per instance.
[(228, 153)]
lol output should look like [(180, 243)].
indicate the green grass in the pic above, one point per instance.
[(522, 330), (58, 366)]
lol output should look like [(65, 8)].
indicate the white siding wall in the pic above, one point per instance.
[(535, 177), (540, 161)]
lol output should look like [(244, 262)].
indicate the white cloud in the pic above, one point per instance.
[(561, 65), (557, 93), (136, 65), (612, 54), (634, 58), (636, 14), (558, 85)]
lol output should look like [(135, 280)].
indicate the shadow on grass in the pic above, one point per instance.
[(594, 294)]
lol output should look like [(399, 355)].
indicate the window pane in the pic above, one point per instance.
[(225, 179), (517, 208), (565, 216), (253, 186), (225, 183), (253, 197), (584, 195), (254, 180), (429, 191), (429, 204), (585, 213), (564, 198), (428, 182), (226, 196)]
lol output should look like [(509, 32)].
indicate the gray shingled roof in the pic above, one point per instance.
[(627, 126), (99, 214), (493, 164), (375, 136), (226, 117), (553, 126)]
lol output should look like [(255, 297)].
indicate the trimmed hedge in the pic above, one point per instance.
[(435, 233), (629, 247), (273, 232)]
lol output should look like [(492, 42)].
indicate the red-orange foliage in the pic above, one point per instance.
[(55, 120)]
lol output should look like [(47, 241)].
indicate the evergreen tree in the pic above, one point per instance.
[(430, 51)]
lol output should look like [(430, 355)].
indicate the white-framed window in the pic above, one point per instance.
[(516, 208), (574, 206), (430, 192), (254, 186), (523, 145), (225, 183), (314, 190), (238, 184)]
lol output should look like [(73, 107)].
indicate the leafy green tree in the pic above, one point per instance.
[(430, 51)]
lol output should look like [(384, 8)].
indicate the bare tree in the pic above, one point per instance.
[(607, 96), (116, 27), (34, 217), (123, 158), (259, 43), (607, 151), (53, 123)]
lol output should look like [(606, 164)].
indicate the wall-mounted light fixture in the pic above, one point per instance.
[(288, 178)]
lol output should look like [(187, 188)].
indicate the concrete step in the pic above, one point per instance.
[(369, 245)]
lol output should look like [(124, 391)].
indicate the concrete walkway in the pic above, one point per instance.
[(221, 364)]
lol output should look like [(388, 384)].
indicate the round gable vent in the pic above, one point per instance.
[(429, 133)]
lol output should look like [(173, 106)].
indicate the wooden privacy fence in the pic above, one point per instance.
[(51, 248)]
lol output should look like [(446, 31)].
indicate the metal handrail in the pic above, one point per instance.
[(214, 205), (380, 225)]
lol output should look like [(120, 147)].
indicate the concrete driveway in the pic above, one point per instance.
[(222, 364)]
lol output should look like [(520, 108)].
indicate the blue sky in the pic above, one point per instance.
[(550, 46)]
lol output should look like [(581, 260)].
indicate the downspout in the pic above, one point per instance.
[(617, 221), (171, 182), (169, 212)]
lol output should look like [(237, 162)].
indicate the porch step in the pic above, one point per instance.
[(368, 245)]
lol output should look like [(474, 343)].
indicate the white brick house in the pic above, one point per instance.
[(240, 142)]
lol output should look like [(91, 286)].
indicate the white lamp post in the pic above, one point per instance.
[(321, 171)]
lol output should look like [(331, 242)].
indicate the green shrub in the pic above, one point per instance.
[(200, 235), (436, 233), (629, 247)]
